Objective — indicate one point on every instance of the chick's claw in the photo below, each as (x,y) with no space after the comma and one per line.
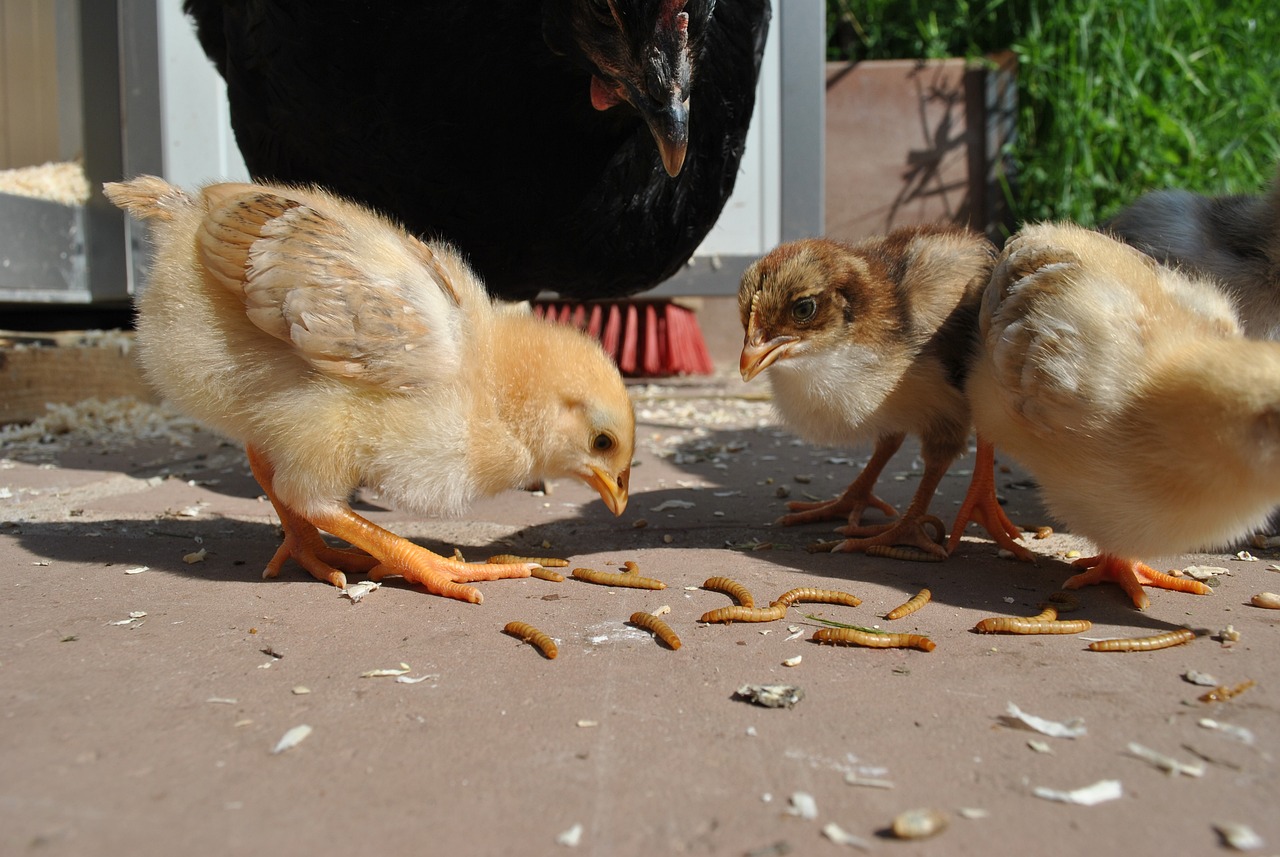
(1130,575)
(911,531)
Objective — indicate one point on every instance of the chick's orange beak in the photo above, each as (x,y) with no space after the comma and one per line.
(612,492)
(759,354)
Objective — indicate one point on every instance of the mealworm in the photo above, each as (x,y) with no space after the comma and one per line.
(659,628)
(1222,694)
(610,578)
(530,634)
(1144,644)
(630,567)
(738,613)
(732,588)
(817,596)
(546,574)
(544,561)
(1024,625)
(917,601)
(854,637)
(902,552)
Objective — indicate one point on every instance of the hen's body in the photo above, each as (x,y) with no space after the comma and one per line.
(1233,239)
(459,120)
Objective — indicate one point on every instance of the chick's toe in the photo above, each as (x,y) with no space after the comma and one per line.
(1130,575)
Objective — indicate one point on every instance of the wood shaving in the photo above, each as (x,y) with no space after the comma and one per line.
(404,669)
(1241,837)
(793,662)
(840,836)
(357,591)
(195,556)
(1073,728)
(571,837)
(1100,792)
(63,182)
(137,570)
(1239,733)
(291,739)
(803,806)
(1165,763)
(1199,678)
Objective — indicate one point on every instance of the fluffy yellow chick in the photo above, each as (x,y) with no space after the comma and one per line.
(1234,239)
(343,352)
(1128,390)
(870,342)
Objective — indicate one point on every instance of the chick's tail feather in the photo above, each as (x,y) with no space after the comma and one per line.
(147,197)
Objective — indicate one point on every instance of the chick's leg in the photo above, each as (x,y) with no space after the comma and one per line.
(856,498)
(1131,576)
(912,529)
(981,505)
(302,541)
(398,556)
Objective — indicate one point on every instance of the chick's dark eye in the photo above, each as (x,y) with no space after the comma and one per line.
(804,309)
(602,443)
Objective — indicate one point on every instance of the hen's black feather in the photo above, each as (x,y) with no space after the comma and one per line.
(474,122)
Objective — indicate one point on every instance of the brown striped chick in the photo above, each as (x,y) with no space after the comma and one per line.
(342,352)
(1233,239)
(868,343)
(1128,390)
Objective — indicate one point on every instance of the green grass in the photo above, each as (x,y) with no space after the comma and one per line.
(1115,98)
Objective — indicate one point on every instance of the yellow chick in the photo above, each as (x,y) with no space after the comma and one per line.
(1234,239)
(343,352)
(1129,391)
(870,342)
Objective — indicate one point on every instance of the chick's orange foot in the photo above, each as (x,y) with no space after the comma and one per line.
(1131,576)
(850,505)
(912,531)
(379,552)
(982,506)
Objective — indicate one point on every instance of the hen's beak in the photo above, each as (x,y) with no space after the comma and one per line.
(670,128)
(758,356)
(613,493)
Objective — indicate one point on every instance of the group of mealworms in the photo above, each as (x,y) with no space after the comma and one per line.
(745,610)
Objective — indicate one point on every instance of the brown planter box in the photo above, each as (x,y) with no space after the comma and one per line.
(916,141)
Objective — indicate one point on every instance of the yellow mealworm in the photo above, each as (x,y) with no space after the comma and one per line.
(1222,694)
(630,567)
(854,637)
(659,628)
(530,634)
(546,574)
(917,601)
(902,552)
(544,561)
(610,578)
(738,613)
(817,596)
(732,588)
(1024,625)
(1144,644)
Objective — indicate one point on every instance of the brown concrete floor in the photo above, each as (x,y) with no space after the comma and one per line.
(155,736)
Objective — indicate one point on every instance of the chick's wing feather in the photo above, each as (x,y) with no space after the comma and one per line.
(357,299)
(1064,335)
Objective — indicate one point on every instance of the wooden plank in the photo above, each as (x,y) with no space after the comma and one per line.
(65,368)
(29,71)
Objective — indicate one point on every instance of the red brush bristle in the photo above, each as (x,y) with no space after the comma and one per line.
(662,340)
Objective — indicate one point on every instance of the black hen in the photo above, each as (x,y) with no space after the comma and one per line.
(522,131)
